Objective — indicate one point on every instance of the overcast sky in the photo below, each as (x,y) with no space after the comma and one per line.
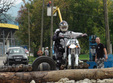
(18,2)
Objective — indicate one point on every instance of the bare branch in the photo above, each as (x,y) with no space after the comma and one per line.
(5,5)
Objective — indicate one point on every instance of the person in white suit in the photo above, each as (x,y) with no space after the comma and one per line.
(60,41)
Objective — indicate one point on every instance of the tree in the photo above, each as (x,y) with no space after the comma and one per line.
(35,23)
(54,76)
(5,5)
(84,16)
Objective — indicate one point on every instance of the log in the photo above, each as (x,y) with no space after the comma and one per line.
(16,68)
(53,76)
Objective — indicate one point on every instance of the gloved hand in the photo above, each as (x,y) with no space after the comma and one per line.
(84,35)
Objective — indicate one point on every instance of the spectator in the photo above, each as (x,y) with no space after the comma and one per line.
(46,51)
(26,51)
(39,53)
(100,51)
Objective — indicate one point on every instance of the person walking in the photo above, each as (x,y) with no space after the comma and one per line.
(46,51)
(100,52)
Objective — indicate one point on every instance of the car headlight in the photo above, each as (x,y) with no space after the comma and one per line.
(25,56)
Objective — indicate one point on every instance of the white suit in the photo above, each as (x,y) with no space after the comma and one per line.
(64,41)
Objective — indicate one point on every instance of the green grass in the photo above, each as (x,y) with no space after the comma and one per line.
(84,57)
(31,59)
(81,57)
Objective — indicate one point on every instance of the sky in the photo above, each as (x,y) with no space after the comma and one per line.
(14,10)
(18,2)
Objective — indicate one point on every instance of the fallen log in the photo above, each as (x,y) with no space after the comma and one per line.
(16,68)
(53,76)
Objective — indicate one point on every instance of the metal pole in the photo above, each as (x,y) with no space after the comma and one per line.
(42,25)
(14,40)
(51,41)
(11,39)
(107,26)
(3,42)
(29,31)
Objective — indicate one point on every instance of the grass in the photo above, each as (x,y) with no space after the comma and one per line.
(84,57)
(81,57)
(31,59)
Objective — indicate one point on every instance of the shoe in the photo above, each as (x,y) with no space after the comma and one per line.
(80,61)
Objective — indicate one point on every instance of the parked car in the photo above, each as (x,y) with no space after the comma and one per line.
(16,55)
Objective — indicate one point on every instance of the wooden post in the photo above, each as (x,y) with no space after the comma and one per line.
(51,41)
(42,25)
(29,30)
(107,26)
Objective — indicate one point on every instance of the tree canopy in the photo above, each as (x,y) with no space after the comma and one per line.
(86,16)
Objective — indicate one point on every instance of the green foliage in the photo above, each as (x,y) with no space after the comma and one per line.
(31,59)
(84,16)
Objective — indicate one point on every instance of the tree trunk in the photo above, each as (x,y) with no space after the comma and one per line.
(16,68)
(53,76)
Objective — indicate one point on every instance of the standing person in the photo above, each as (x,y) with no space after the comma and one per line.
(46,51)
(100,52)
(39,53)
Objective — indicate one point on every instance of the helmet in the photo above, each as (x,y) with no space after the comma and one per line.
(63,26)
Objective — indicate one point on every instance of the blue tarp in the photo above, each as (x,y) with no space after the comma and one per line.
(107,64)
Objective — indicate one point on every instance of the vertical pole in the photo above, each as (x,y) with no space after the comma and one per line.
(42,25)
(3,43)
(14,40)
(106,26)
(29,31)
(51,41)
(11,38)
